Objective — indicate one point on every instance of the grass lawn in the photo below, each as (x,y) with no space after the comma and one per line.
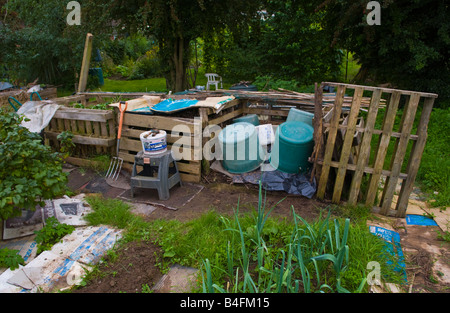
(142,85)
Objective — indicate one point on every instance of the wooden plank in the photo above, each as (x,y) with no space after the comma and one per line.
(225,117)
(136,146)
(85,140)
(414,159)
(185,167)
(83,114)
(399,152)
(329,148)
(318,131)
(84,72)
(269,112)
(366,169)
(364,150)
(159,122)
(387,90)
(388,124)
(347,145)
(374,131)
(135,133)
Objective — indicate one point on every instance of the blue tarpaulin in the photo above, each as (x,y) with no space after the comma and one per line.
(170,105)
(413,219)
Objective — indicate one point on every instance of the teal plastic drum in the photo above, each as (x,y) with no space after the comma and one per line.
(249,118)
(241,150)
(292,147)
(300,116)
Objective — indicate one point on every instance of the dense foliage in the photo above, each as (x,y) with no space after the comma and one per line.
(409,49)
(29,171)
(37,42)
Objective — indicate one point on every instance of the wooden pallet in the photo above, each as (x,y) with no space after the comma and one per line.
(358,167)
(181,139)
(94,130)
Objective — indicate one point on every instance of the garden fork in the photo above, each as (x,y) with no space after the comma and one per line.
(116,163)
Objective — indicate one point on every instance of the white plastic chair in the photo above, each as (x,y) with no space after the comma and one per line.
(213,79)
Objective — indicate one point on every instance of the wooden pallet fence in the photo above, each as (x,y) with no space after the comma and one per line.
(180,139)
(94,130)
(340,167)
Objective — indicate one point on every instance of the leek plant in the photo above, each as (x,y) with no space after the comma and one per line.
(313,259)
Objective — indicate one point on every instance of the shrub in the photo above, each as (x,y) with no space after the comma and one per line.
(29,171)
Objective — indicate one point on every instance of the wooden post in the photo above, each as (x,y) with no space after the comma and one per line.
(84,73)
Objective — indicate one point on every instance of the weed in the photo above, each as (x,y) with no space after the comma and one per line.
(51,233)
(10,259)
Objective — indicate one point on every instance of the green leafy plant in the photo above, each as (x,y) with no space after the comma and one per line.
(10,259)
(66,143)
(29,171)
(51,233)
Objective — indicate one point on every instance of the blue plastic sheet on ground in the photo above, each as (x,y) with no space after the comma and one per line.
(413,219)
(170,105)
(393,247)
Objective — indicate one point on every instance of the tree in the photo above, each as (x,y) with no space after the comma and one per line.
(409,49)
(176,23)
(37,41)
(285,41)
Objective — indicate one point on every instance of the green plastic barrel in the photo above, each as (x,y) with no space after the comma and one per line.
(249,118)
(240,146)
(299,115)
(292,147)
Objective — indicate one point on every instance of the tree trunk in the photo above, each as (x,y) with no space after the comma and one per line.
(176,80)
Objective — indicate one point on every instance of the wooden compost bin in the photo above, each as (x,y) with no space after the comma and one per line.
(96,130)
(349,169)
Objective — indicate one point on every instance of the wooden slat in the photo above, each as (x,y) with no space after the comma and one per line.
(388,124)
(414,159)
(330,142)
(399,151)
(364,149)
(85,140)
(347,145)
